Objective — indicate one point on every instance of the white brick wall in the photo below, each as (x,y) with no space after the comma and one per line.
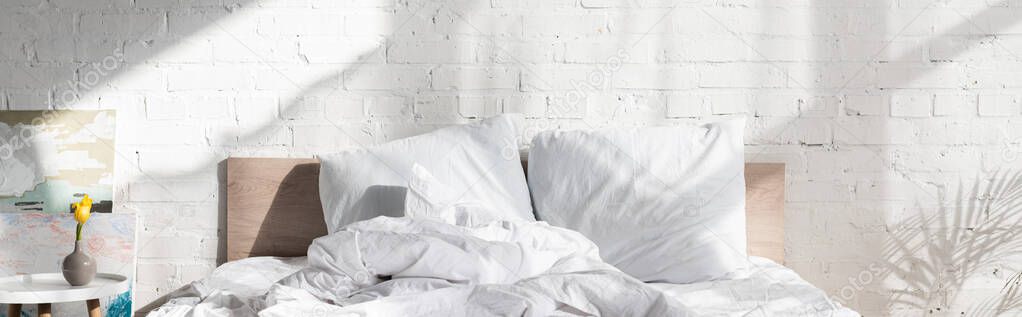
(884,110)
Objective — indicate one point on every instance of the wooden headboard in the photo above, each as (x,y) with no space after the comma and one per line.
(273,207)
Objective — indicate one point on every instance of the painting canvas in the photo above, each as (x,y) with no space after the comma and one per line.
(37,242)
(49,157)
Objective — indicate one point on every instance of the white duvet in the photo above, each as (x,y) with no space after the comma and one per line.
(419,267)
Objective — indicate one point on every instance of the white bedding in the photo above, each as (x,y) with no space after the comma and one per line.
(664,204)
(763,288)
(472,162)
(417,267)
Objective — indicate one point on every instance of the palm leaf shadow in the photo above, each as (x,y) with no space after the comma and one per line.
(934,256)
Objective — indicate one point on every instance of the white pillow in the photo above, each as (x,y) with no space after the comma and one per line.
(428,197)
(664,204)
(476,162)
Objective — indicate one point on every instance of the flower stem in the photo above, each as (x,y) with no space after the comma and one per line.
(78,233)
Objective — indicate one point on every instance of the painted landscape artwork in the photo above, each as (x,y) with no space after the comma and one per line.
(47,157)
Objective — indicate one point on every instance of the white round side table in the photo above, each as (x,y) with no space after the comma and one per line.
(48,288)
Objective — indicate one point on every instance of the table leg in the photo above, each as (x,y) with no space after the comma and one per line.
(44,310)
(13,310)
(93,307)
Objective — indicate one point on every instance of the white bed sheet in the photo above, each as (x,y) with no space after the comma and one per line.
(764,289)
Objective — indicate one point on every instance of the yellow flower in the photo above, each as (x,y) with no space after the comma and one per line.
(83,210)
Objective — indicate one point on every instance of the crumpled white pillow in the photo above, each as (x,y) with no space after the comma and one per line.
(663,204)
(476,162)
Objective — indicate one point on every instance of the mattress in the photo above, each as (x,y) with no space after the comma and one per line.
(765,288)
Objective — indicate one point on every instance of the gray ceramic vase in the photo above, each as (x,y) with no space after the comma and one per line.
(79,268)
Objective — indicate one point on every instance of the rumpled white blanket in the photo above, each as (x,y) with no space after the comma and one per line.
(422,267)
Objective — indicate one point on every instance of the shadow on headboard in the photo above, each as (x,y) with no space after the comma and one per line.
(282,211)
(273,207)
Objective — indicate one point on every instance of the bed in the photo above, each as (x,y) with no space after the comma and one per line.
(274,213)
(273,207)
